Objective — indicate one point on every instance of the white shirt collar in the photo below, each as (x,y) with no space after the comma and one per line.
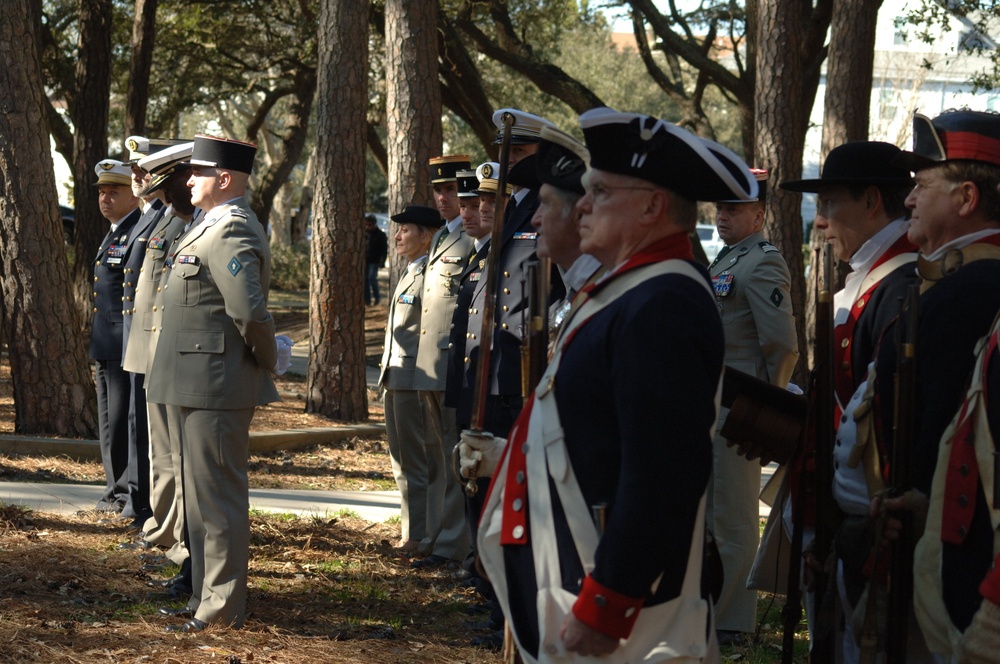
(454,224)
(480,242)
(961,243)
(861,264)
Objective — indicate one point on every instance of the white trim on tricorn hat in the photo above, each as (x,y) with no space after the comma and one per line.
(662,153)
(761,175)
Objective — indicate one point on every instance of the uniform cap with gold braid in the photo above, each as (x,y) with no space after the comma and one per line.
(114,172)
(562,160)
(224,153)
(443,169)
(526,128)
(954,135)
(467,183)
(759,174)
(140,146)
(161,165)
(662,153)
(487,174)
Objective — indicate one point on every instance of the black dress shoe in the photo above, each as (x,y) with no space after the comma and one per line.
(191,626)
(168,583)
(184,612)
(430,561)
(156,567)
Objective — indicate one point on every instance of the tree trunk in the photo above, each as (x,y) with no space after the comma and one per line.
(293,139)
(846,110)
(90,122)
(53,389)
(412,106)
(143,33)
(781,115)
(336,385)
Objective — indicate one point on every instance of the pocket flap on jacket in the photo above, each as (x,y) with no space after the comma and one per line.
(201,341)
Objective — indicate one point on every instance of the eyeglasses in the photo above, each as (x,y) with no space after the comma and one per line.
(601,192)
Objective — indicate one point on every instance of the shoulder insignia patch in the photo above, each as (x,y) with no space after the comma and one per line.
(767,247)
(776,297)
(238,212)
(234,266)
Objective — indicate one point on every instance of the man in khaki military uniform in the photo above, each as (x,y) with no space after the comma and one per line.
(212,368)
(450,247)
(751,284)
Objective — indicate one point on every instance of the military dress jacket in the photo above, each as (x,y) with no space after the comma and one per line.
(751,284)
(109,276)
(398,369)
(216,349)
(146,305)
(133,262)
(447,259)
(458,392)
(516,250)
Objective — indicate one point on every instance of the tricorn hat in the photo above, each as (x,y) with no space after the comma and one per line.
(953,135)
(526,127)
(444,169)
(420,215)
(113,172)
(759,174)
(224,153)
(860,163)
(662,153)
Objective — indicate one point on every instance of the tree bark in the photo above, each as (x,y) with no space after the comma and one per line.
(781,113)
(90,121)
(412,106)
(53,389)
(143,33)
(336,385)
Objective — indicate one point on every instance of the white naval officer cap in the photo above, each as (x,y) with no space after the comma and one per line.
(487,173)
(162,164)
(141,146)
(113,172)
(526,127)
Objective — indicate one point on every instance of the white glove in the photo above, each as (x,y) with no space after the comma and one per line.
(479,453)
(284,345)
(794,389)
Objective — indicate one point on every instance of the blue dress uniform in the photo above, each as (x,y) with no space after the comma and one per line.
(138,425)
(458,392)
(113,388)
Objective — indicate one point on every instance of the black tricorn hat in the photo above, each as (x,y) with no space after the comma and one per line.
(662,153)
(224,153)
(421,215)
(561,160)
(861,163)
(524,174)
(954,135)
(759,174)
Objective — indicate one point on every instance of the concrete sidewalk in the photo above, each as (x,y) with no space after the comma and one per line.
(67,499)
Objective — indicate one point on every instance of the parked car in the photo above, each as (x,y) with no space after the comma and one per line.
(710,240)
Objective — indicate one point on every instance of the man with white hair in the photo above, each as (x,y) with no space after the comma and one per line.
(620,425)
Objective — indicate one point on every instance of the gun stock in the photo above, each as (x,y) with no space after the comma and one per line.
(901,551)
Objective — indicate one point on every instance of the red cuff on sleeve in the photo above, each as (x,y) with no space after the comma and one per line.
(605,610)
(990,587)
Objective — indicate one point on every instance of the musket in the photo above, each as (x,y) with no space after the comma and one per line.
(901,551)
(535,344)
(481,389)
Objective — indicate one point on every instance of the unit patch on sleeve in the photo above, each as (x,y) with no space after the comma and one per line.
(234,266)
(776,297)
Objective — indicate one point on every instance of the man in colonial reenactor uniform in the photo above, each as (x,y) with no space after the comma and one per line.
(955,221)
(752,285)
(565,537)
(120,207)
(445,539)
(860,210)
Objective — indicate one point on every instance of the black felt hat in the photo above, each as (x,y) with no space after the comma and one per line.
(524,174)
(662,153)
(224,153)
(420,215)
(954,135)
(561,160)
(858,163)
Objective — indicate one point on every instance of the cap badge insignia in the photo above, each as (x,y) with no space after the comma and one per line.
(107,165)
(132,144)
(487,171)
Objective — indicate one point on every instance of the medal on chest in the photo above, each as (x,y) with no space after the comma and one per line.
(723,284)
